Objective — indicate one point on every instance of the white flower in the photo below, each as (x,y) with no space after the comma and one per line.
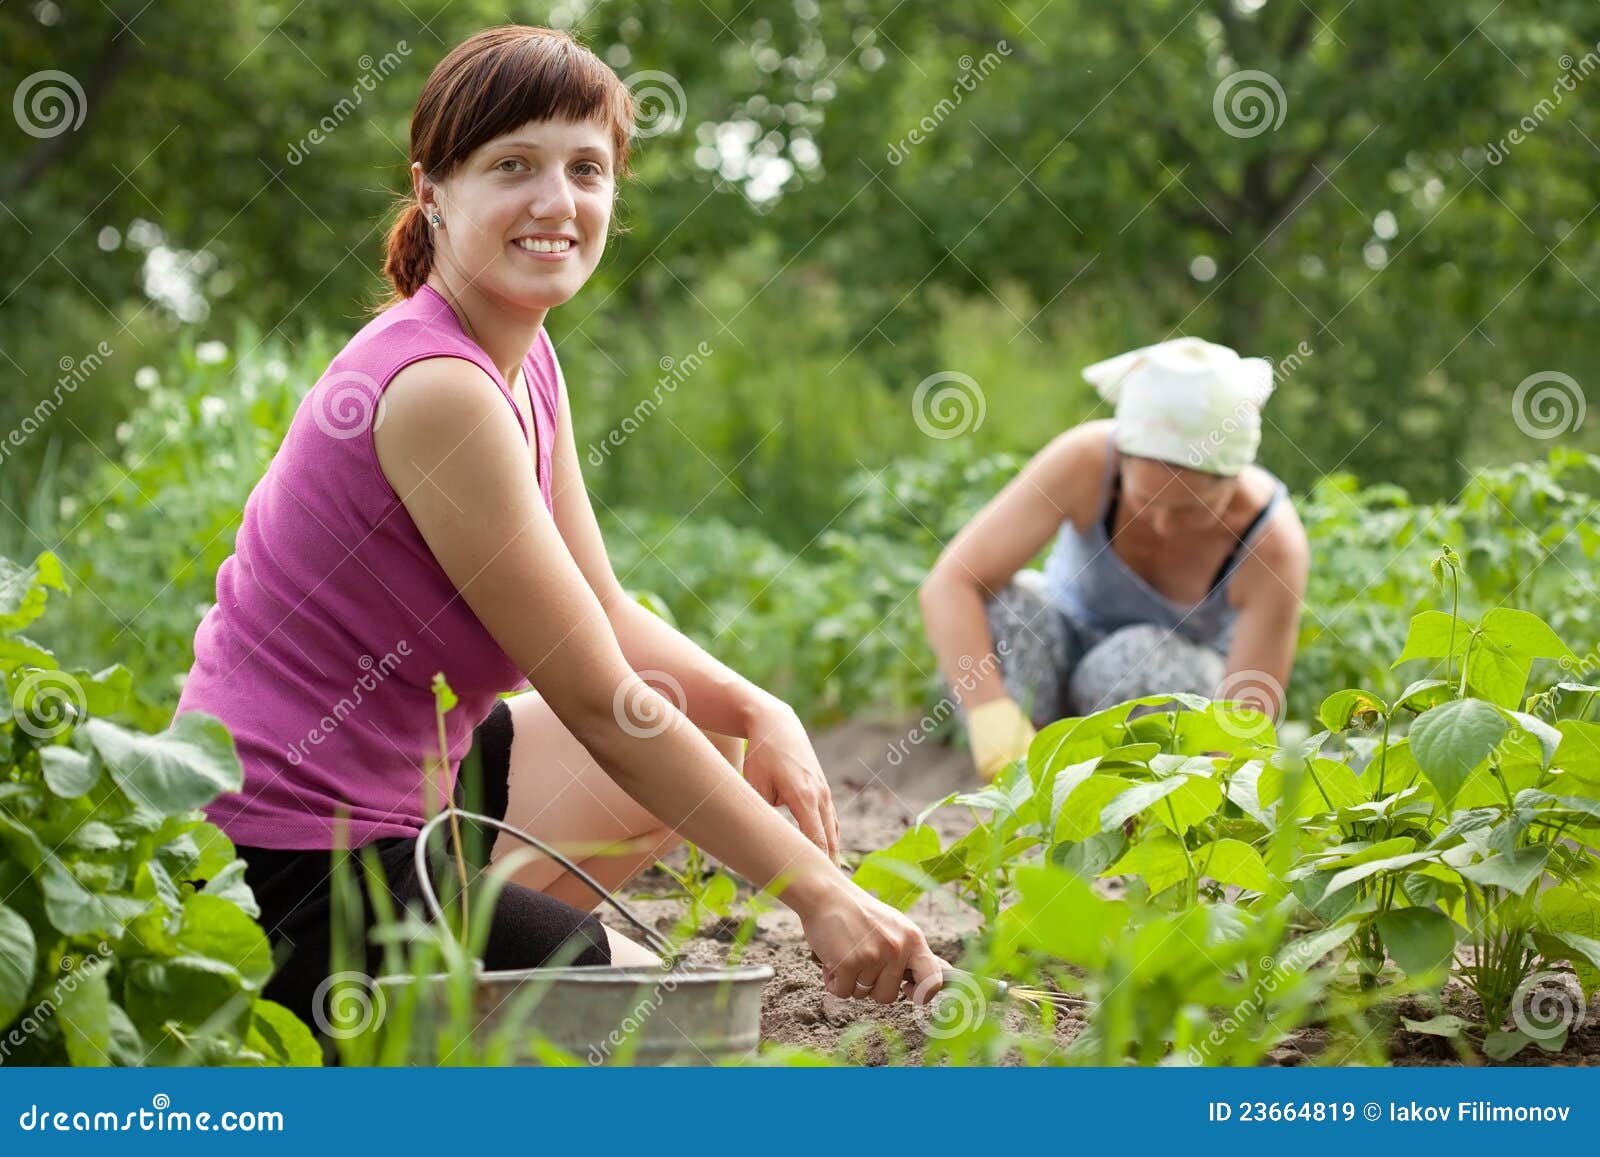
(209,353)
(146,378)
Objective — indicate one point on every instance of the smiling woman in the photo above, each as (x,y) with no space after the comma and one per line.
(429,493)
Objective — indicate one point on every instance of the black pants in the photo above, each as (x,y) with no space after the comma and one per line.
(294,890)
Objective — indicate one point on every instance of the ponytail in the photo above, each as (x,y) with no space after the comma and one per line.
(408,253)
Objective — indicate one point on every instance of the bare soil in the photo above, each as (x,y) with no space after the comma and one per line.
(883,773)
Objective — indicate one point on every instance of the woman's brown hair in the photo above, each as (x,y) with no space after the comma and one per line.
(488,85)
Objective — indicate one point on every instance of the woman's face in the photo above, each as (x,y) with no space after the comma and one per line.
(1171,500)
(547,187)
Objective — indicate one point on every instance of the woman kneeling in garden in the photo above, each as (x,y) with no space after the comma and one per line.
(1178,565)
(426,513)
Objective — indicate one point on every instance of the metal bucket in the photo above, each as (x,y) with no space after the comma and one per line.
(681,1014)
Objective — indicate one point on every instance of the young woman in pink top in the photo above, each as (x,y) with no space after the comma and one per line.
(413,514)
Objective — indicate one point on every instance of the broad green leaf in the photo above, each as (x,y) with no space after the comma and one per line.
(186,766)
(1079,815)
(1421,941)
(1343,708)
(1059,913)
(67,772)
(229,885)
(23,591)
(282,1036)
(1497,675)
(1546,737)
(1425,693)
(1515,871)
(1523,634)
(1091,857)
(18,951)
(891,873)
(1177,803)
(1445,1024)
(1157,860)
(1382,850)
(186,989)
(1450,740)
(1234,862)
(1502,1046)
(1579,751)
(1353,875)
(1429,637)
(85,1015)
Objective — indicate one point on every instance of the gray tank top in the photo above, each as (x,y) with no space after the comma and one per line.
(1100,593)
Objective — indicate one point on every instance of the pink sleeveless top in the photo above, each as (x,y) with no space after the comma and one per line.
(332,614)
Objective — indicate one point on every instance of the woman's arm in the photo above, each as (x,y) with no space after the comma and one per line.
(780,763)
(1011,529)
(456,457)
(1269,588)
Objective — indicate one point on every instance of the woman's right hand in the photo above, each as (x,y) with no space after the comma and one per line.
(867,948)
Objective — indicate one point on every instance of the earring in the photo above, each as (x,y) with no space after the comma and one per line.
(436,220)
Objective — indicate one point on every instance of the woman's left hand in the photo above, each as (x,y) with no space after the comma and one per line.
(780,763)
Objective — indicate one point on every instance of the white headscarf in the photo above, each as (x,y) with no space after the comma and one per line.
(1186,402)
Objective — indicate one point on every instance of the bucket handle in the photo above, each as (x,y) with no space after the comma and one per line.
(419,856)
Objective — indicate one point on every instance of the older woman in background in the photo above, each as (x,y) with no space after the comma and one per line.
(1178,565)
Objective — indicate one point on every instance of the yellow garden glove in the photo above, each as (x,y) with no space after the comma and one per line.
(999,733)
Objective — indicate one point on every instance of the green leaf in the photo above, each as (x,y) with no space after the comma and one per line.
(1059,913)
(67,772)
(1497,675)
(1578,754)
(1348,876)
(1079,815)
(1420,941)
(281,1036)
(23,591)
(85,1015)
(1234,862)
(1342,708)
(18,952)
(1452,739)
(1446,1025)
(229,884)
(1515,871)
(1425,693)
(1429,637)
(1091,857)
(186,766)
(1502,1046)
(1178,803)
(1523,634)
(891,873)
(1158,861)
